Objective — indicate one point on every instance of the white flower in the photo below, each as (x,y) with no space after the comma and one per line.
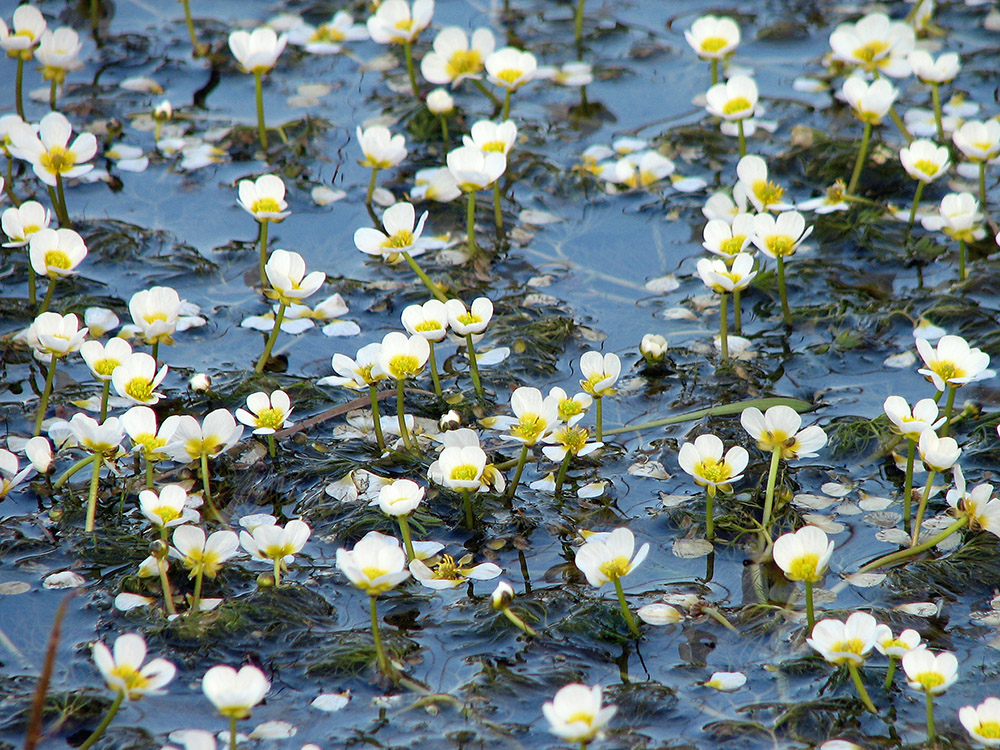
(286,273)
(28,27)
(924,160)
(168,508)
(492,136)
(727,237)
(844,643)
(600,372)
(54,334)
(454,59)
(703,460)
(473,169)
(911,425)
(780,236)
(376,564)
(201,555)
(401,357)
(139,424)
(381,148)
(726,682)
(461,467)
(10,477)
(20,223)
(123,670)
(567,74)
(59,52)
(639,170)
(264,198)
(958,217)
(449,573)
(328,38)
(570,409)
(929,70)
(886,644)
(191,440)
(659,614)
(267,413)
(982,722)
(576,715)
(939,453)
(399,498)
(51,153)
(869,102)
(953,363)
(102,359)
(982,509)
(39,452)
(929,673)
(713,37)
(473,320)
(429,320)
(721,206)
(358,373)
(400,233)
(136,379)
(778,429)
(103,437)
(533,416)
(608,558)
(511,68)
(439,101)
(257,52)
(722,278)
(978,141)
(435,184)
(395,22)
(269,541)
(568,439)
(733,100)
(235,693)
(804,555)
(755,186)
(653,347)
(875,44)
(156,311)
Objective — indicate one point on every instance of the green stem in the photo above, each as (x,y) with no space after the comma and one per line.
(715,70)
(9,189)
(62,210)
(32,293)
(277,571)
(380,659)
(922,507)
(486,92)
(810,612)
(444,133)
(936,98)
(404,530)
(723,327)
(149,473)
(470,224)
(786,313)
(506,104)
(578,29)
(258,85)
(982,185)
(232,732)
(155,352)
(408,51)
(431,286)
(743,139)
(263,253)
(497,213)
(207,488)
(737,317)
(371,186)
(911,551)
(916,201)
(599,418)
(278,319)
(900,125)
(196,597)
(710,513)
(65,476)
(52,94)
(961,260)
(860,687)
(376,417)
(931,736)
(46,392)
(105,723)
(949,406)
(908,485)
(105,393)
(521,460)
(401,414)
(890,674)
(474,366)
(95,478)
(48,296)
(19,88)
(772,476)
(168,597)
(860,162)
(633,628)
(196,48)
(735,407)
(270,445)
(561,476)
(518,621)
(432,361)
(470,517)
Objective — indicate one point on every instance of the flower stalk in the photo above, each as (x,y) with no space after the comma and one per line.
(376,417)
(629,618)
(263,253)
(278,319)
(474,367)
(772,477)
(95,478)
(860,162)
(105,722)
(258,84)
(46,393)
(911,551)
(922,507)
(860,687)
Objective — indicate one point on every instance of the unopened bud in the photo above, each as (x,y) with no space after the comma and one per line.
(159,549)
(503,595)
(440,102)
(200,383)
(450,421)
(163,111)
(653,347)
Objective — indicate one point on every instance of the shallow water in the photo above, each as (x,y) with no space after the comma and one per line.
(856,304)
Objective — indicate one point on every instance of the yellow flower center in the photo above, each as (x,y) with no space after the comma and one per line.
(447,569)
(926,166)
(272,418)
(265,205)
(585,717)
(427,325)
(155,317)
(780,244)
(207,560)
(767,192)
(498,146)
(569,408)
(402,238)
(737,104)
(929,680)
(573,438)
(713,44)
(278,550)
(327,33)
(464,62)
(871,51)
(30,230)
(104,367)
(509,75)
(404,24)
(403,365)
(465,473)
(713,470)
(209,446)
(851,646)
(835,193)
(467,319)
(139,388)
(615,569)
(57,259)
(166,513)
(947,370)
(804,568)
(528,428)
(131,677)
(149,442)
(989,729)
(733,245)
(58,160)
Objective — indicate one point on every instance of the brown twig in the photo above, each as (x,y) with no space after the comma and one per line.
(38,701)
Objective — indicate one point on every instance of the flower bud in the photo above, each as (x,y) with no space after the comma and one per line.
(450,421)
(653,347)
(440,102)
(159,549)
(200,383)
(503,595)
(163,111)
